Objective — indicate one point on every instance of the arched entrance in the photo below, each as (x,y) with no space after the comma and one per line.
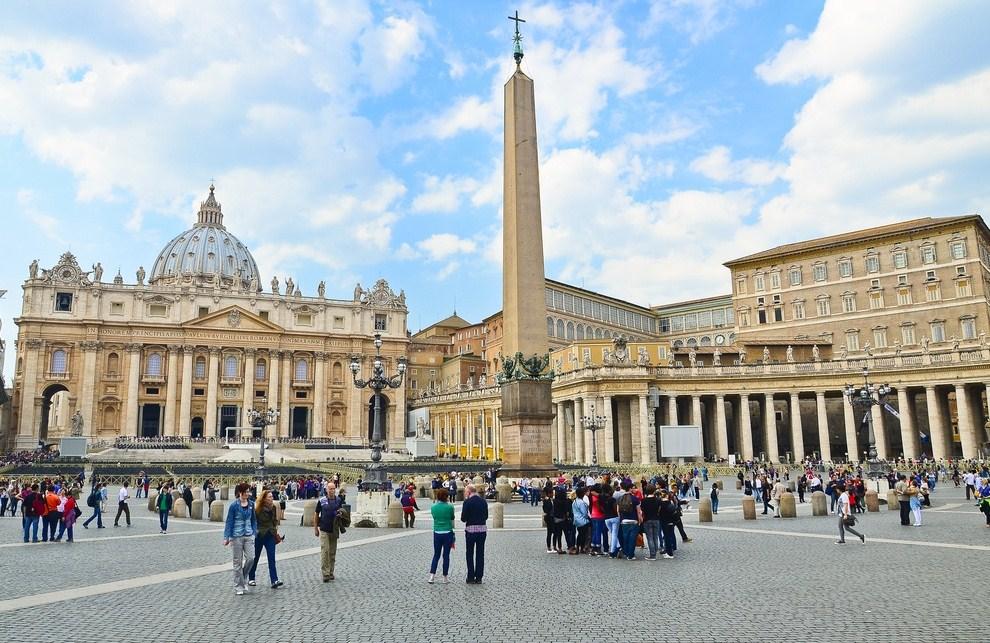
(371,416)
(196,427)
(46,409)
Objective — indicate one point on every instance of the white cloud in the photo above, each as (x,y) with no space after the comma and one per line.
(444,245)
(443,195)
(699,19)
(717,164)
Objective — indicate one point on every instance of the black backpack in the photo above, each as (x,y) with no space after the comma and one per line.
(94,498)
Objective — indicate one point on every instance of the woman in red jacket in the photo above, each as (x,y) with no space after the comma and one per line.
(68,508)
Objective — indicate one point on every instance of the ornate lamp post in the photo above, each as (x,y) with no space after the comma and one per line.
(593,423)
(868,396)
(375,474)
(262,420)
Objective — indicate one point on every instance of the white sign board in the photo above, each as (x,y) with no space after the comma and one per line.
(680,442)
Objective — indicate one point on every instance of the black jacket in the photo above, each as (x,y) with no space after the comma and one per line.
(474,511)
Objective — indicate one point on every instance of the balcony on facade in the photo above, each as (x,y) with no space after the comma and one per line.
(152,379)
(57,377)
(230,379)
(302,384)
(112,377)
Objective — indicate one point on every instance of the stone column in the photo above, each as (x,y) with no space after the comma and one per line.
(579,453)
(484,434)
(561,432)
(496,432)
(273,379)
(823,440)
(938,432)
(212,384)
(964,418)
(625,432)
(130,427)
(849,418)
(721,430)
(770,426)
(185,398)
(797,430)
(672,411)
(879,431)
(286,384)
(27,433)
(647,454)
(909,433)
(320,398)
(745,427)
(248,401)
(606,448)
(89,378)
(171,388)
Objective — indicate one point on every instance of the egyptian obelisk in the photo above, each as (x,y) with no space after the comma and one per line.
(527,409)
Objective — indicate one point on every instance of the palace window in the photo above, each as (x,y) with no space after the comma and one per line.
(690,321)
(928,254)
(849,303)
(63,302)
(261,370)
(933,292)
(60,361)
(157,310)
(304,319)
(548,297)
(797,309)
(823,306)
(230,366)
(561,333)
(938,330)
(113,364)
(718,318)
(963,289)
(846,268)
(744,318)
(968,327)
(705,319)
(302,370)
(958,249)
(759,283)
(154,365)
(741,286)
(907,334)
(852,340)
(199,369)
(570,332)
(873,263)
(381,321)
(820,272)
(549,326)
(880,337)
(876,300)
(775,280)
(900,259)
(795,275)
(904,296)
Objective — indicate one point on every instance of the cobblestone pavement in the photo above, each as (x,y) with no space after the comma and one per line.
(779,579)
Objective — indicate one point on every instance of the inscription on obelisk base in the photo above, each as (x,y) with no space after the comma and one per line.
(527,419)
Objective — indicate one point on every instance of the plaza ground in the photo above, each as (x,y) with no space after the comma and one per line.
(780,579)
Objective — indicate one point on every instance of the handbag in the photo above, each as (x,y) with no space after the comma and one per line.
(849,521)
(278,537)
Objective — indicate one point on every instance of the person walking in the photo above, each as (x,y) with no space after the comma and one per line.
(915,500)
(983,494)
(164,504)
(187,497)
(474,515)
(69,515)
(122,507)
(776,494)
(267,515)
(332,520)
(903,499)
(548,522)
(846,519)
(95,500)
(443,534)
(409,508)
(239,530)
(714,494)
(34,509)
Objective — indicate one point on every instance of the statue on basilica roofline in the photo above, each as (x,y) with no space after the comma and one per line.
(33,269)
(289,286)
(97,272)
(274,285)
(140,275)
(321,290)
(253,284)
(358,292)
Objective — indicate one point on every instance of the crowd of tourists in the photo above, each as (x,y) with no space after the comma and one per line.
(34,456)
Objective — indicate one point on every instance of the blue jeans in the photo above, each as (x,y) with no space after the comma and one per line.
(31,524)
(597,530)
(49,523)
(474,546)
(629,533)
(98,514)
(62,529)
(534,497)
(669,539)
(268,542)
(653,536)
(163,519)
(441,545)
(715,505)
(612,524)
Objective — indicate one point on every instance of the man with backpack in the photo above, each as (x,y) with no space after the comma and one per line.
(34,508)
(94,500)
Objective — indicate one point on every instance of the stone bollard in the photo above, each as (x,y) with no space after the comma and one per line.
(224,492)
(498,515)
(152,499)
(197,493)
(872,501)
(216,512)
(739,484)
(393,516)
(503,491)
(460,493)
(787,507)
(892,503)
(196,511)
(179,509)
(705,510)
(819,504)
(176,495)
(309,514)
(749,508)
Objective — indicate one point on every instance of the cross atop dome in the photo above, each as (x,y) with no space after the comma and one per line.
(209,211)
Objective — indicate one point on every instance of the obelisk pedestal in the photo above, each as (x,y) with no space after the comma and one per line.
(526,421)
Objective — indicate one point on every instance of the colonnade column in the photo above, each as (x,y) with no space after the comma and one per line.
(964,417)
(285,415)
(824,447)
(745,427)
(849,419)
(770,426)
(130,427)
(879,430)
(797,430)
(185,398)
(496,433)
(273,380)
(721,430)
(561,432)
(647,450)
(672,410)
(484,434)
(578,430)
(320,397)
(909,434)
(937,431)
(210,428)
(89,378)
(171,389)
(608,441)
(248,402)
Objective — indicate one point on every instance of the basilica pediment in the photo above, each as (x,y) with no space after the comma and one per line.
(233,318)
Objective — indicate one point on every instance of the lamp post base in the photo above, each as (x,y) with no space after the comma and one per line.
(375,477)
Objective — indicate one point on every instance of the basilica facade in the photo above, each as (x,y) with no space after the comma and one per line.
(190,347)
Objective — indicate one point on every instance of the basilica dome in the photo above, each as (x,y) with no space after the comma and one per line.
(207,254)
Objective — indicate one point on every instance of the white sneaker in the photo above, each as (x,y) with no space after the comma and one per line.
(239,592)
(252,583)
(430,579)
(667,556)
(550,551)
(446,580)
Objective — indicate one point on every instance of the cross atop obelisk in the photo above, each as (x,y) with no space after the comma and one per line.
(517,51)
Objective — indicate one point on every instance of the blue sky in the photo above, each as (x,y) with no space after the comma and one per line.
(351,140)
